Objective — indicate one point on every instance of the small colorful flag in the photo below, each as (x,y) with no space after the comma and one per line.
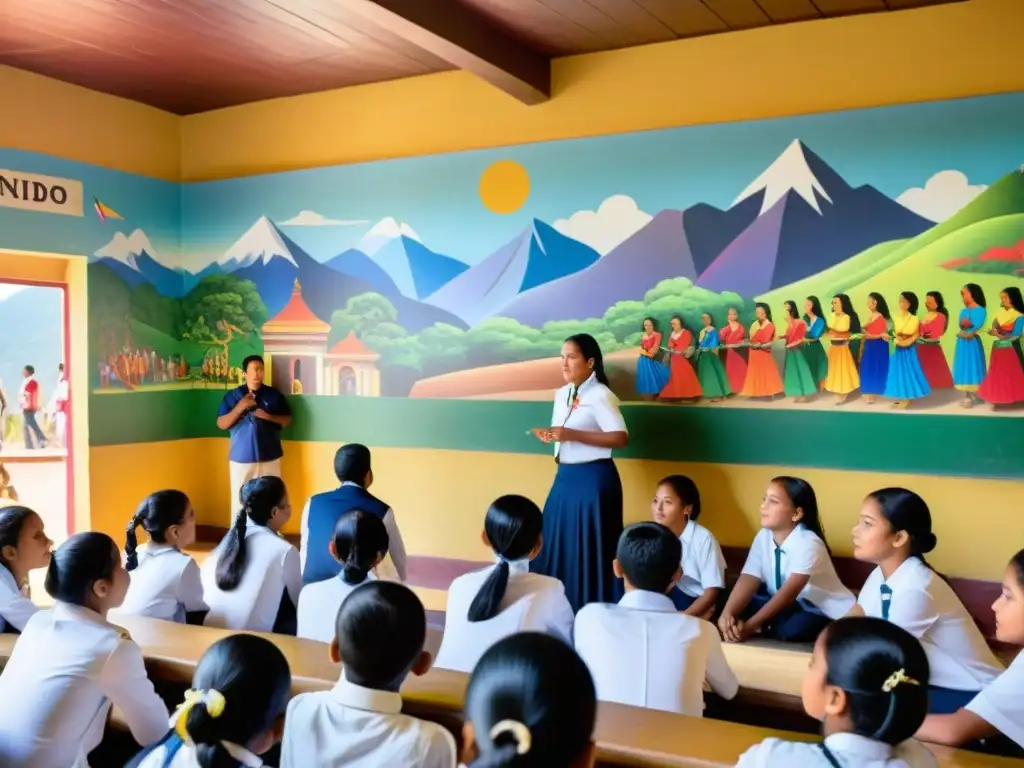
(104,211)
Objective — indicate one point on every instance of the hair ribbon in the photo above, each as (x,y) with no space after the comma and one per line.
(895,679)
(520,734)
(212,699)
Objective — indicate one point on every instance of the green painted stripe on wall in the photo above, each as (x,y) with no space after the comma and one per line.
(971,446)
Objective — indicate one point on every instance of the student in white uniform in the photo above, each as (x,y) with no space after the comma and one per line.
(997,713)
(868,685)
(24,547)
(234,711)
(165,580)
(642,651)
(895,533)
(676,505)
(359,545)
(530,703)
(252,579)
(381,630)
(789,589)
(70,665)
(504,598)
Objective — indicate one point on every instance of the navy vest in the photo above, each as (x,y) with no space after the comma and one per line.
(324,511)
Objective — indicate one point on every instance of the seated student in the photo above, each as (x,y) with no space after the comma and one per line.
(70,665)
(676,505)
(999,708)
(24,547)
(352,467)
(895,533)
(504,598)
(252,579)
(233,712)
(868,685)
(381,629)
(530,703)
(788,589)
(642,651)
(360,544)
(165,581)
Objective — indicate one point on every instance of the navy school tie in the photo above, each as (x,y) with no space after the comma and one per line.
(886,591)
(778,568)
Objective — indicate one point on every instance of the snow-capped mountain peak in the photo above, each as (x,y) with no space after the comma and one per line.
(262,242)
(790,171)
(127,248)
(383,232)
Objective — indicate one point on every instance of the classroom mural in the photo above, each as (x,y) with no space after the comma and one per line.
(868,259)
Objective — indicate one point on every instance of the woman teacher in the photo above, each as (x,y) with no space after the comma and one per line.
(584,507)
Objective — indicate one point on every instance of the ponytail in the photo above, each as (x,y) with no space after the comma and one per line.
(131,544)
(259,498)
(801,496)
(488,599)
(513,526)
(360,542)
(157,512)
(78,564)
(906,511)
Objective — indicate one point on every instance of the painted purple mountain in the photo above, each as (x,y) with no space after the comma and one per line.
(537,256)
(810,220)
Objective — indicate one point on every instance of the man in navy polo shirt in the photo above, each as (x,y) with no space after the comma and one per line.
(254,414)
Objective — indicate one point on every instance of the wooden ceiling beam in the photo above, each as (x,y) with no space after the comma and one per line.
(456,34)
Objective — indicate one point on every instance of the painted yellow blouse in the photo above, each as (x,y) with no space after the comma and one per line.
(839,324)
(1006,316)
(907,326)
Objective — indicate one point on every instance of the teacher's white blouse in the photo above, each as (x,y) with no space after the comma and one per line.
(596,411)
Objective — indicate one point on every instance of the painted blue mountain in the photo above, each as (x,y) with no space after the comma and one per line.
(415,269)
(355,263)
(133,259)
(537,256)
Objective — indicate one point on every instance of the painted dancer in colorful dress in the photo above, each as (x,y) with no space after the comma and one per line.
(710,372)
(906,377)
(816,357)
(843,377)
(1004,383)
(651,375)
(929,343)
(798,380)
(733,338)
(762,374)
(682,379)
(874,350)
(969,354)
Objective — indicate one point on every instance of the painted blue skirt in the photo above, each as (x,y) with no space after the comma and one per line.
(968,363)
(906,376)
(874,367)
(582,525)
(651,376)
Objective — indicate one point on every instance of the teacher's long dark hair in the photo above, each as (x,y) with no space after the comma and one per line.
(513,526)
(590,350)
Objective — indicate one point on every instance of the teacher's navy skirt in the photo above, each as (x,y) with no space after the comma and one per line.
(582,525)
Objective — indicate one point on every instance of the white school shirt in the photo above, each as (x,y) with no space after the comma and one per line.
(272,567)
(67,669)
(703,563)
(360,728)
(532,603)
(186,757)
(598,411)
(645,653)
(1001,704)
(393,568)
(851,750)
(165,585)
(319,604)
(802,553)
(15,608)
(926,606)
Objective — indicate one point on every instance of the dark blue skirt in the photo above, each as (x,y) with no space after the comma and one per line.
(582,525)
(874,367)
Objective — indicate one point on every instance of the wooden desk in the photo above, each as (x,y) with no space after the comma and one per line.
(765,665)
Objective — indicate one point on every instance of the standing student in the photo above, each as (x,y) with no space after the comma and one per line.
(895,533)
(360,544)
(252,579)
(530,703)
(58,406)
(788,589)
(254,414)
(24,547)
(30,399)
(867,685)
(584,505)
(380,632)
(504,598)
(70,665)
(642,651)
(165,580)
(999,708)
(233,712)
(321,513)
(676,505)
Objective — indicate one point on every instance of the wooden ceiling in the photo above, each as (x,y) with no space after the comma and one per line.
(188,56)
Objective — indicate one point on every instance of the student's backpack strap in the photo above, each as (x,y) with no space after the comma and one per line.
(832,759)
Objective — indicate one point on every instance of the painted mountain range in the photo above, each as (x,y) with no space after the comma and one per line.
(135,261)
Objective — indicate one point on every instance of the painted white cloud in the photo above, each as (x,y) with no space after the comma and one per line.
(314,219)
(943,194)
(615,219)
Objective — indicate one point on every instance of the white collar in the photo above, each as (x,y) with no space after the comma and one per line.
(254,529)
(859,746)
(642,600)
(367,699)
(687,535)
(351,482)
(515,566)
(153,549)
(70,612)
(7,578)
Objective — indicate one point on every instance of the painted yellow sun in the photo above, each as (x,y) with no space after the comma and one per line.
(504,186)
